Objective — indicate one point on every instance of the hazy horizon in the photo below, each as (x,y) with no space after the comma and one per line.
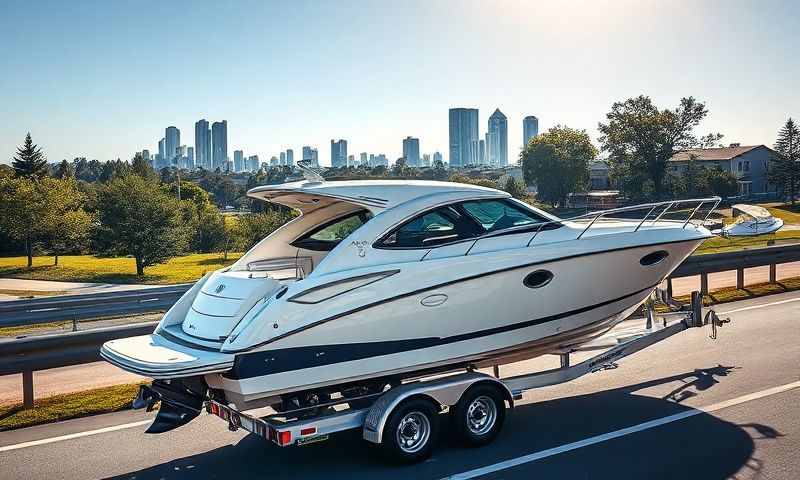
(103,79)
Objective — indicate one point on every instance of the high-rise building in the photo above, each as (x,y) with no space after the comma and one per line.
(252,163)
(463,136)
(290,157)
(498,134)
(338,153)
(530,128)
(351,160)
(481,151)
(379,160)
(162,154)
(172,137)
(219,136)
(364,159)
(146,155)
(437,158)
(273,162)
(181,157)
(311,156)
(411,151)
(426,160)
(190,158)
(238,161)
(283,158)
(202,144)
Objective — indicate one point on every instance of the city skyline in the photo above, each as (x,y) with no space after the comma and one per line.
(282,103)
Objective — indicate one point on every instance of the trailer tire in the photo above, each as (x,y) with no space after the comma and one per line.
(411,431)
(479,415)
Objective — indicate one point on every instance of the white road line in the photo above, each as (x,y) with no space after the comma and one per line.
(753,307)
(621,432)
(45,441)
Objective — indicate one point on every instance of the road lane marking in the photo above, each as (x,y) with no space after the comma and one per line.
(45,441)
(753,307)
(621,432)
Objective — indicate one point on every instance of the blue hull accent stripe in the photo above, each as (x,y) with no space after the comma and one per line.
(280,360)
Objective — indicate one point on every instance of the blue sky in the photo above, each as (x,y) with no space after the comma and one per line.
(103,79)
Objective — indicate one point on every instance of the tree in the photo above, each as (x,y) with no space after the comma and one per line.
(254,227)
(785,164)
(142,167)
(640,139)
(720,182)
(65,170)
(29,160)
(557,162)
(137,218)
(515,188)
(44,212)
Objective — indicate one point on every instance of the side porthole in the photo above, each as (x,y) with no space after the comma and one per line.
(538,279)
(654,258)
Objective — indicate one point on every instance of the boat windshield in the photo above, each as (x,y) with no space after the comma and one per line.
(494,215)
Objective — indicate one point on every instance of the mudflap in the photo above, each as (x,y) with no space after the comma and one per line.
(181,401)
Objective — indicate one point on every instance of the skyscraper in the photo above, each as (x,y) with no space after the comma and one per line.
(426,160)
(481,152)
(290,157)
(273,161)
(252,163)
(238,161)
(311,156)
(463,135)
(339,153)
(437,157)
(364,159)
(219,134)
(411,151)
(530,128)
(498,133)
(190,158)
(146,155)
(202,144)
(283,158)
(162,154)
(172,137)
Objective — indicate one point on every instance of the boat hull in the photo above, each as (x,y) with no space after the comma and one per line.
(489,317)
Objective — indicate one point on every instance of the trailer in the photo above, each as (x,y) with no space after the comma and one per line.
(405,419)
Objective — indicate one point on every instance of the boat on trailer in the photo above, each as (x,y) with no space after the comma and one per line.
(751,220)
(376,282)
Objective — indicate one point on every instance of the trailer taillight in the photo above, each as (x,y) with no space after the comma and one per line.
(214,408)
(284,438)
(308,431)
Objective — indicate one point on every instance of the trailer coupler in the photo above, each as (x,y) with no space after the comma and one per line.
(179,404)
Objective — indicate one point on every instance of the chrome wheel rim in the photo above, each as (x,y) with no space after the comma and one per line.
(481,415)
(413,432)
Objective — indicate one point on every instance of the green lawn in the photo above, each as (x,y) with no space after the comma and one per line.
(788,213)
(70,405)
(90,268)
(730,244)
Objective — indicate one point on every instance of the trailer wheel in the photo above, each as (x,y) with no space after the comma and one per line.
(479,415)
(411,431)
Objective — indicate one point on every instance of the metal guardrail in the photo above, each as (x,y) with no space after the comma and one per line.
(29,354)
(80,307)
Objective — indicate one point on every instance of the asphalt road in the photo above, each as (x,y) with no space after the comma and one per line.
(690,407)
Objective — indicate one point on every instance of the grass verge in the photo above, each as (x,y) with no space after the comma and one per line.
(731,244)
(91,268)
(31,293)
(66,406)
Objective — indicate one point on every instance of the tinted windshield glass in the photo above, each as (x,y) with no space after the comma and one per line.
(500,214)
(340,229)
(440,226)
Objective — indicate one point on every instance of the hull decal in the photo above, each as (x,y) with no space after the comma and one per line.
(269,362)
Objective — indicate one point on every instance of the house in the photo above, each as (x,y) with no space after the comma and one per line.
(599,175)
(749,164)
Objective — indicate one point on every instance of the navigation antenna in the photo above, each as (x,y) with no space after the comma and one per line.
(309,172)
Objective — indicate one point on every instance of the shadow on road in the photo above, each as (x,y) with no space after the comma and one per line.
(702,446)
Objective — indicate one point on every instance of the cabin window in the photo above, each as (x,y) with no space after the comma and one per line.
(325,237)
(495,215)
(437,227)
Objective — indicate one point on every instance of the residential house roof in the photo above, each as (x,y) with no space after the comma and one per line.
(714,154)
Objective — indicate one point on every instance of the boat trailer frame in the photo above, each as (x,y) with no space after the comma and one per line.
(314,424)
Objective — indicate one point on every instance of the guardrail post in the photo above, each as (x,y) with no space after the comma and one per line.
(704,283)
(27,389)
(773,273)
(739,278)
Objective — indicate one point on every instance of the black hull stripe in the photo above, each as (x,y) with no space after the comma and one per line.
(297,358)
(445,284)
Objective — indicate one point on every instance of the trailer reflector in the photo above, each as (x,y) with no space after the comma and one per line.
(308,431)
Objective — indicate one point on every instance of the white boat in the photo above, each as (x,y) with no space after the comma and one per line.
(751,220)
(376,281)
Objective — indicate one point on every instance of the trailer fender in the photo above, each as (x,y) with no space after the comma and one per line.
(445,392)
